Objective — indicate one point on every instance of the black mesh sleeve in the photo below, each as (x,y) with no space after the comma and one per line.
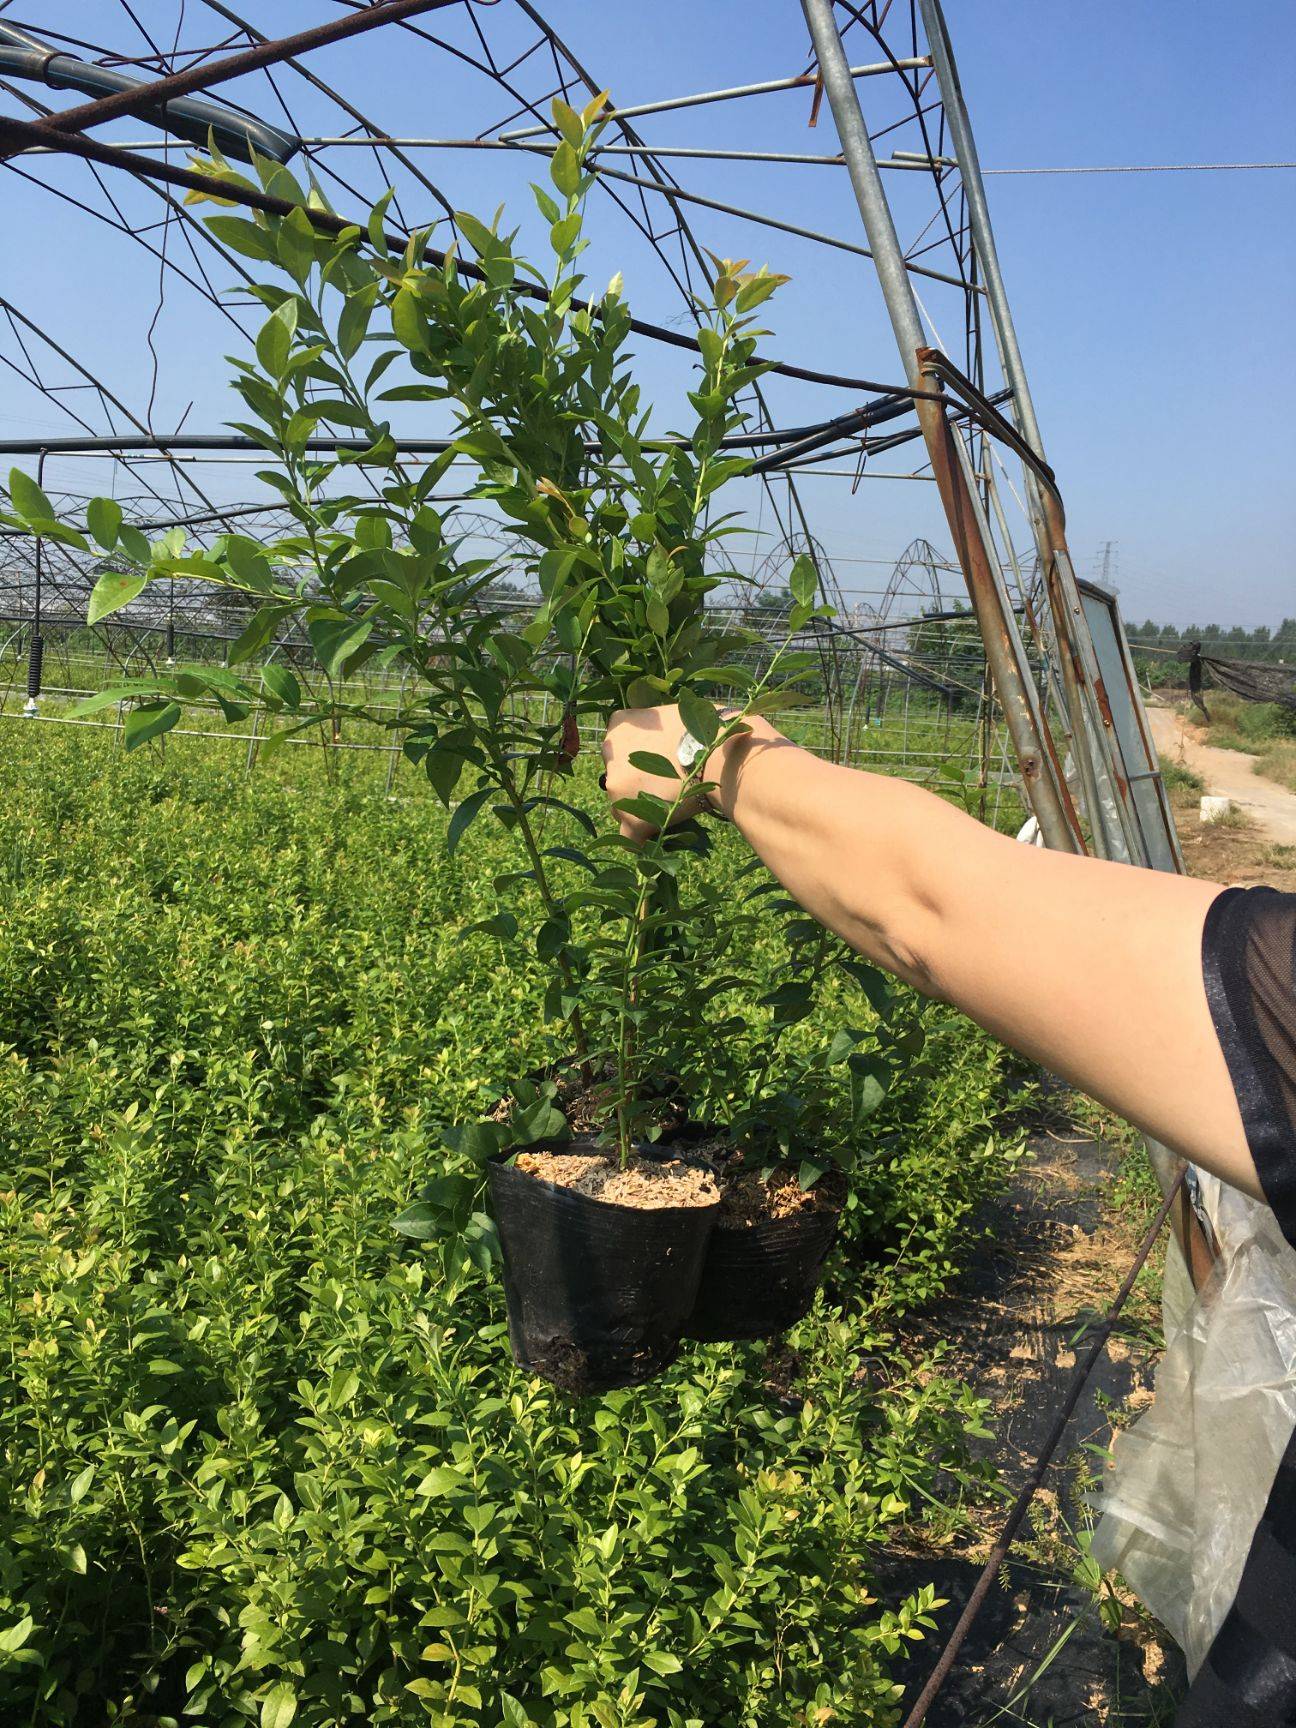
(1248,1679)
(1249,965)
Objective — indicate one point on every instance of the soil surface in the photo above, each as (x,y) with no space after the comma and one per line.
(1054,1258)
(746,1199)
(645,1183)
(1271,808)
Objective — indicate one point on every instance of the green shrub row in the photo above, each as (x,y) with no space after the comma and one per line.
(263,1461)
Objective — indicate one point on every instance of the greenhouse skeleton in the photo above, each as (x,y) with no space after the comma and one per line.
(1065,686)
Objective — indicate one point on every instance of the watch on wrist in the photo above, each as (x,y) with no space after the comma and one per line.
(686,754)
(690,748)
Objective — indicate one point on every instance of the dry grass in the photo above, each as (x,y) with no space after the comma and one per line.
(1232,851)
(1261,729)
(1277,761)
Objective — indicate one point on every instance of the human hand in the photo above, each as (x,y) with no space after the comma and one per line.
(659,732)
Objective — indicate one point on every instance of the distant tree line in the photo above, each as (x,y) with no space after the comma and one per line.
(1161,649)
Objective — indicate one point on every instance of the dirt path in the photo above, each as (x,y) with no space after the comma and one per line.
(1056,1250)
(1272,808)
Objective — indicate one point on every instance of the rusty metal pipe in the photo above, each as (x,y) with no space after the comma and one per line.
(21,133)
(1047,796)
(144,97)
(1078,662)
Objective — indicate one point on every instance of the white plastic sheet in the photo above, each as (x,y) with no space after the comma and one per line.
(1191,1476)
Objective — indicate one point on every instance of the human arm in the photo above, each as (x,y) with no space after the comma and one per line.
(1092,969)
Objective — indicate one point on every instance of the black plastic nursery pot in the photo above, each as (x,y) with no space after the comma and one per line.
(597,1293)
(760,1278)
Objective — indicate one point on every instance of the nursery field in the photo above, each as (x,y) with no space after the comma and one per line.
(264,1460)
(899,731)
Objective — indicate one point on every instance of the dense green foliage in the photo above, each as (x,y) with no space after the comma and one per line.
(621,533)
(1265,730)
(1160,650)
(261,1459)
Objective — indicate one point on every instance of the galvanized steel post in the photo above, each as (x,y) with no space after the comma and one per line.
(1045,788)
(1093,732)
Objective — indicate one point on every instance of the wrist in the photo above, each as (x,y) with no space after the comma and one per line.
(728,763)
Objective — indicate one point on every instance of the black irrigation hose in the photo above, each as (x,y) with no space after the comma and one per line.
(999,1553)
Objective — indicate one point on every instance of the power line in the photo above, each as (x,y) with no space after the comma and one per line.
(1150,168)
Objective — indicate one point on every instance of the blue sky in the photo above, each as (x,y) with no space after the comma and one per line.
(1155,311)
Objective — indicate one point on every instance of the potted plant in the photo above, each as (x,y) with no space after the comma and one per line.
(605,1205)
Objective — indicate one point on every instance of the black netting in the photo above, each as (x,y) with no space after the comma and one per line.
(1245,678)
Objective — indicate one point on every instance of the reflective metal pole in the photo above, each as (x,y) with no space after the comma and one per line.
(1036,758)
(1093,732)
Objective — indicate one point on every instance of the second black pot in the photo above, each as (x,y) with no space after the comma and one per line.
(760,1279)
(597,1293)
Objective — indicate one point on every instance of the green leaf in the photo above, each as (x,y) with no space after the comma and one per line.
(443,769)
(281,684)
(873,983)
(408,325)
(250,565)
(804,581)
(647,693)
(662,1662)
(295,244)
(476,232)
(343,1387)
(255,634)
(274,341)
(539,1121)
(565,170)
(564,234)
(646,806)
(112,591)
(711,346)
(440,1481)
(148,721)
(647,762)
(503,926)
(757,289)
(279,1706)
(335,640)
(134,544)
(245,238)
(104,519)
(377,217)
(421,1222)
(14,1637)
(81,1486)
(545,204)
(700,717)
(464,812)
(114,694)
(28,499)
(568,122)
(354,321)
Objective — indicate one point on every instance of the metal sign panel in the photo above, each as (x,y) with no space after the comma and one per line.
(1139,758)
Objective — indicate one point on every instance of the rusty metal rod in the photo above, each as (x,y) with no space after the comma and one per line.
(1094,733)
(1095,742)
(23,132)
(144,97)
(1044,784)
(999,1553)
